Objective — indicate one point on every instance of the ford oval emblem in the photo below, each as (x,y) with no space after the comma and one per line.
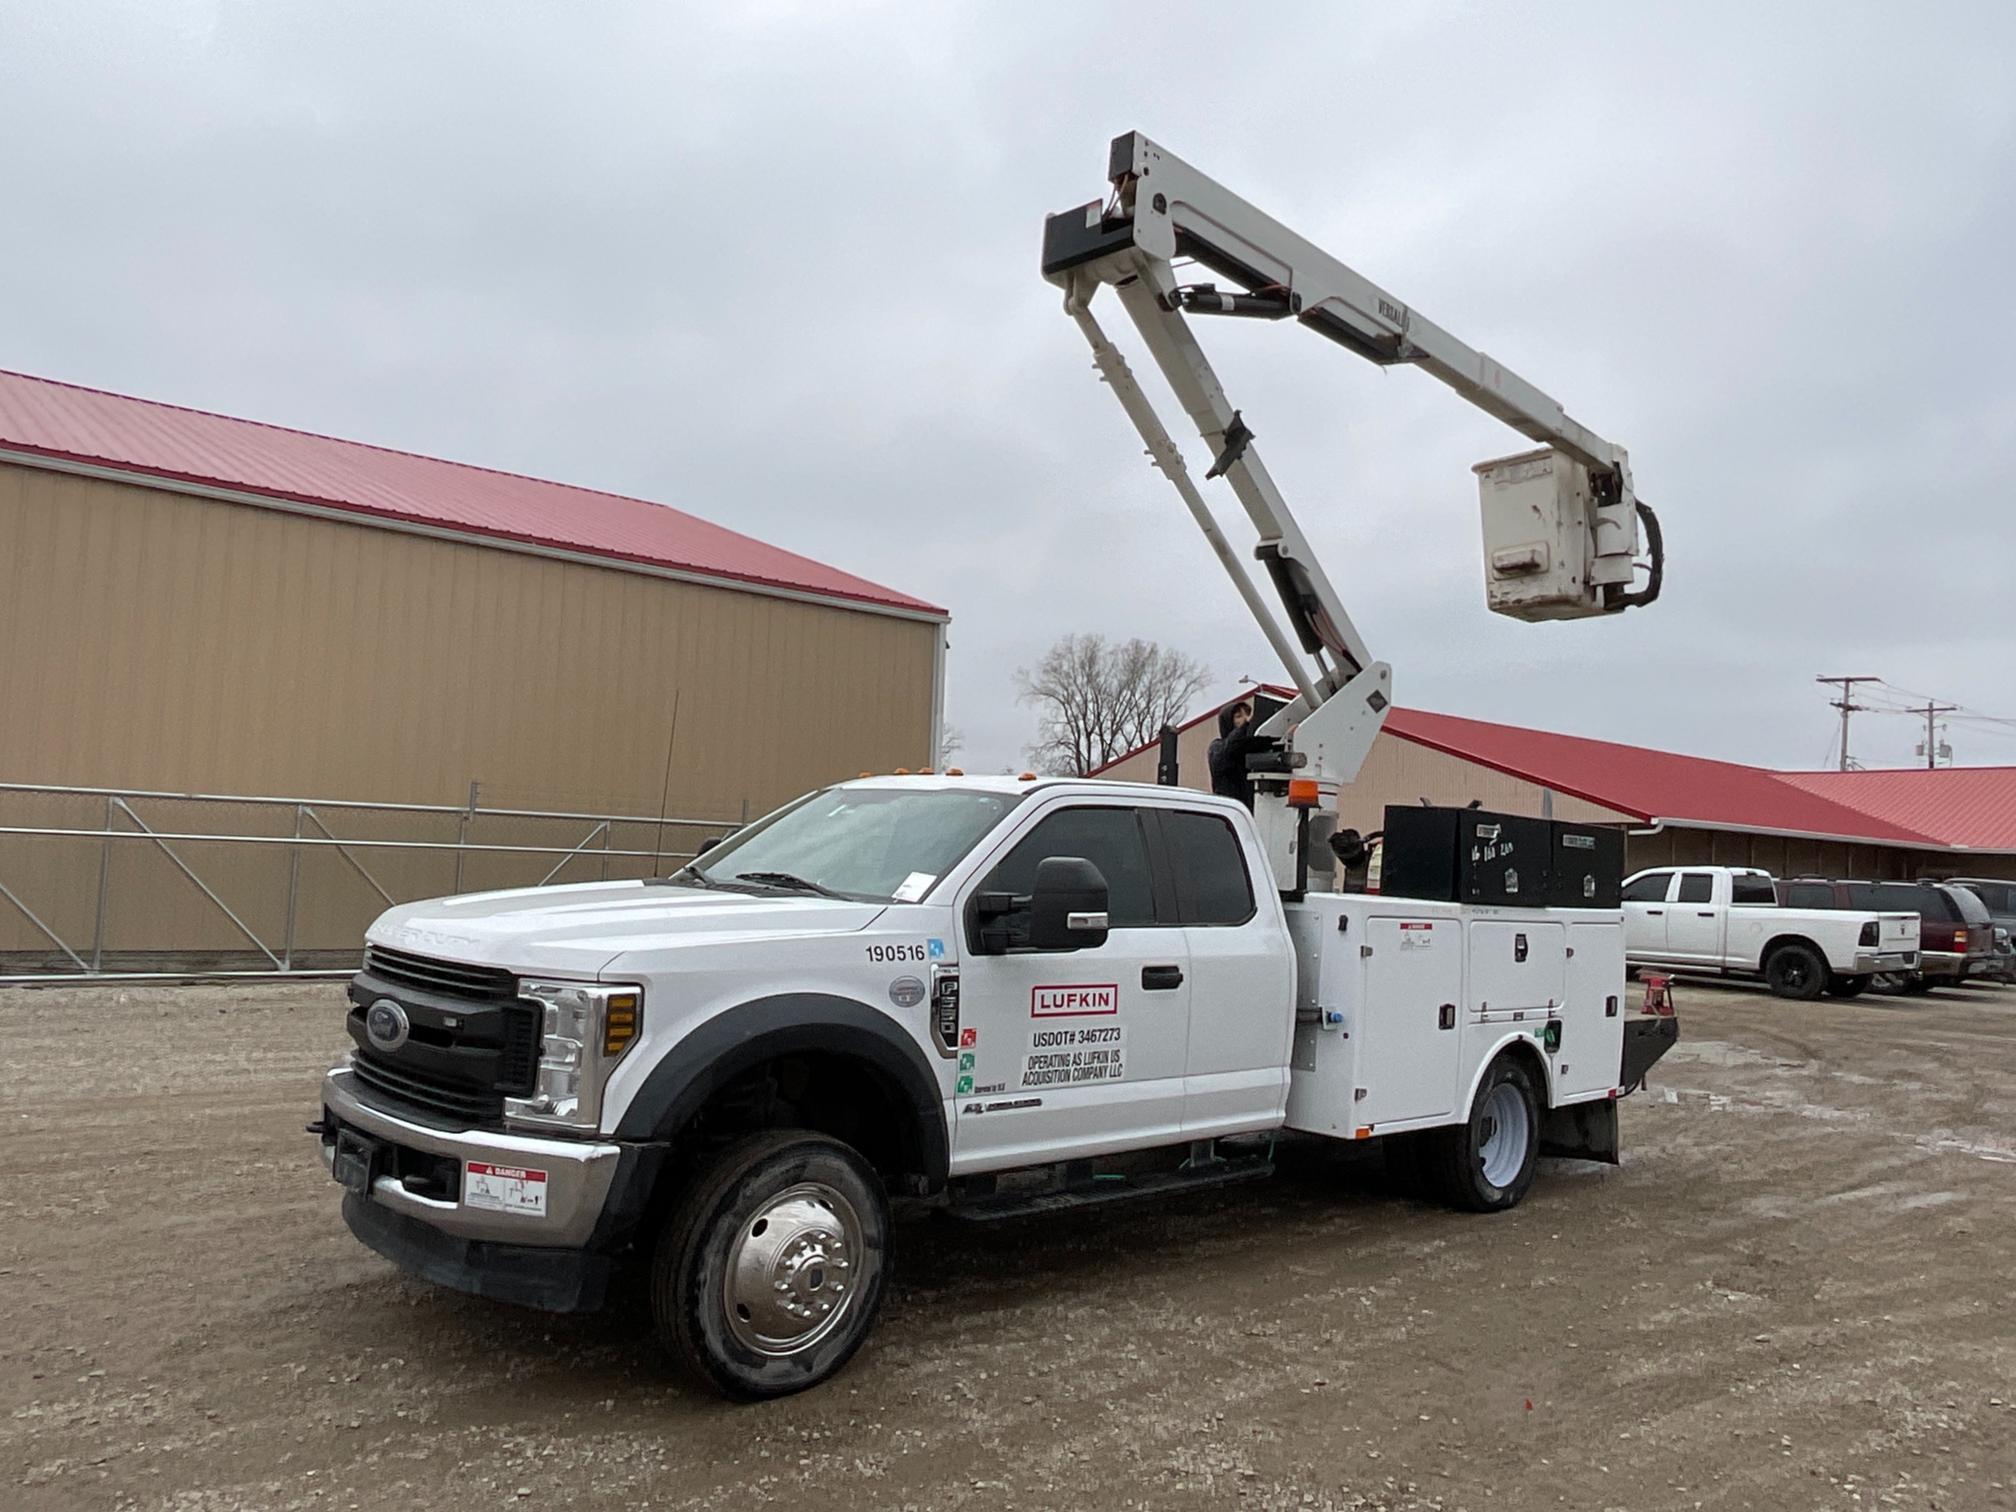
(386,1024)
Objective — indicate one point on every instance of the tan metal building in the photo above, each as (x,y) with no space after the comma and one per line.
(1673,809)
(193,604)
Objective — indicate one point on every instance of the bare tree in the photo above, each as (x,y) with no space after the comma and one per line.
(951,741)
(1096,699)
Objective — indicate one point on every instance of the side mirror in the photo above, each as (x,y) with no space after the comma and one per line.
(706,845)
(1067,907)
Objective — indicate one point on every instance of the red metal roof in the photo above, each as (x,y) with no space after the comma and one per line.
(44,418)
(1652,785)
(1967,807)
(1961,808)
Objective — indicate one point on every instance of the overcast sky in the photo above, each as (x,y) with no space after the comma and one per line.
(776,264)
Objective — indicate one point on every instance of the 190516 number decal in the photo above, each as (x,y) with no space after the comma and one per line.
(888,954)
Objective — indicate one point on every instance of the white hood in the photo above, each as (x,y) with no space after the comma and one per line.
(579,930)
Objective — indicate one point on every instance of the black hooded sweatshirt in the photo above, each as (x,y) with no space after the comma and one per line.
(1228,759)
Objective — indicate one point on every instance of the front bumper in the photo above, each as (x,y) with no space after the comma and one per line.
(578,1173)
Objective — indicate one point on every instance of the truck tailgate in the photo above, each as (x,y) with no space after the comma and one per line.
(1898,931)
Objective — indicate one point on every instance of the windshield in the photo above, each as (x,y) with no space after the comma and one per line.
(886,844)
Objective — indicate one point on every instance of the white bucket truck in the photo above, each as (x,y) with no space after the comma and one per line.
(1008,995)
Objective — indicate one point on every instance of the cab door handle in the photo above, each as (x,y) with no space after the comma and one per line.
(1161,978)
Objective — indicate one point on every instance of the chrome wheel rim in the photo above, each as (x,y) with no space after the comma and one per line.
(793,1270)
(1507,1126)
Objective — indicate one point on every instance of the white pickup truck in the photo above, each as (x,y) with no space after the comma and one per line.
(980,991)
(1726,919)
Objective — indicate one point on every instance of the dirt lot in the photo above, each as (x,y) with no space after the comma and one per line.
(1794,1294)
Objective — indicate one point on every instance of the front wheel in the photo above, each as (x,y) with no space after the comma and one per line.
(1795,971)
(1847,986)
(1485,1164)
(768,1274)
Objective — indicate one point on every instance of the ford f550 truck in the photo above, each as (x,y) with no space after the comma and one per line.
(1009,995)
(976,990)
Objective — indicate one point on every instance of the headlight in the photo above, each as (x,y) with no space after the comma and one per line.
(584,1029)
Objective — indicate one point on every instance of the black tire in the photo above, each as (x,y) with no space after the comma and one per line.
(1454,1157)
(841,1256)
(1797,972)
(1847,986)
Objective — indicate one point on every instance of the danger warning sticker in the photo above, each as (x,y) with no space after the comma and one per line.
(504,1189)
(1070,1002)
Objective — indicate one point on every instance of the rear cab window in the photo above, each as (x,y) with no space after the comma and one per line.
(1209,867)
(1696,887)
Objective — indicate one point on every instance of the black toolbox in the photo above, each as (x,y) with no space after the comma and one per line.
(1465,855)
(1586,869)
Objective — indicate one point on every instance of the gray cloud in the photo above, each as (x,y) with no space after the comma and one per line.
(777,266)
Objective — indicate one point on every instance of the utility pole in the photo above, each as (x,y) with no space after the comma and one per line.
(1931,710)
(1847,705)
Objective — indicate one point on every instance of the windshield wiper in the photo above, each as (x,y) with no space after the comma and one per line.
(786,880)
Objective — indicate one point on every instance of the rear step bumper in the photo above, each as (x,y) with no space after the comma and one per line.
(1646,1038)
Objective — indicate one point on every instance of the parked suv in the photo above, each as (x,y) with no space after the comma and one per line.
(1998,895)
(1956,937)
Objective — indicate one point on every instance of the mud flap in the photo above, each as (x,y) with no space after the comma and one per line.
(1581,1131)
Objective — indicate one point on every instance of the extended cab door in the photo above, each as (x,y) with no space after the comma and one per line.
(1073,1053)
(1645,914)
(1242,974)
(1694,919)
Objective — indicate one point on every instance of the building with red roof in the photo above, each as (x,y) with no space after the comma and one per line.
(191,602)
(1674,808)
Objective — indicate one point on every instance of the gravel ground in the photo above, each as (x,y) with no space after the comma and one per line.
(1793,1294)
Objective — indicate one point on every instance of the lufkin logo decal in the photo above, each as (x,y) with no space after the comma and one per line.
(1073,1002)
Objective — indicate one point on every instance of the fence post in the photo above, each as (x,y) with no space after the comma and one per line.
(462,834)
(293,893)
(104,884)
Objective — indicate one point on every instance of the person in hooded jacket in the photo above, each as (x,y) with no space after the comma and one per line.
(1236,733)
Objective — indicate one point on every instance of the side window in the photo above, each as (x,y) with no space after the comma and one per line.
(1808,895)
(1752,891)
(1866,895)
(1650,888)
(1110,838)
(1696,887)
(1211,869)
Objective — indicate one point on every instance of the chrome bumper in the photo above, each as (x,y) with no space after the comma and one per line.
(1943,963)
(1869,962)
(578,1173)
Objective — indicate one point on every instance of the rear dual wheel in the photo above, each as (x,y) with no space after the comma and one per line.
(1486,1163)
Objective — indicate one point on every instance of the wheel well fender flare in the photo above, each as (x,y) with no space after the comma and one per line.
(741,1038)
(1520,1044)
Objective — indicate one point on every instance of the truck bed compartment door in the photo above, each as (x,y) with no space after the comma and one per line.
(1410,1025)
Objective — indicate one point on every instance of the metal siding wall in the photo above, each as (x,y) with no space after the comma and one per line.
(152,640)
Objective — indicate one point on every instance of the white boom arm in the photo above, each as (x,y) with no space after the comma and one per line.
(1560,525)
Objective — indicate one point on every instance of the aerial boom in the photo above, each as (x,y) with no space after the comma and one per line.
(1560,524)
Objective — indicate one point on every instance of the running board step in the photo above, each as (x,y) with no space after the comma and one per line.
(1215,1173)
